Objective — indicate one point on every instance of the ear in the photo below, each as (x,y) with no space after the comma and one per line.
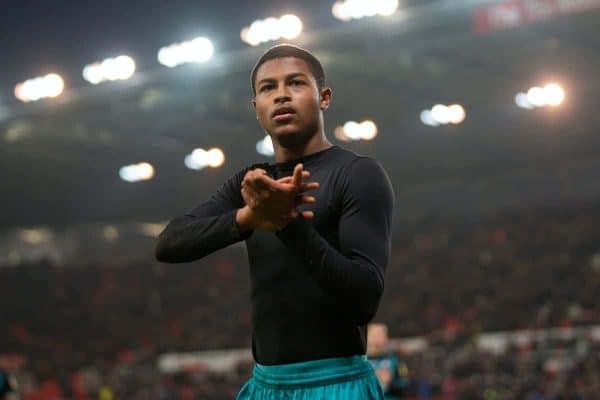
(326,94)
(254,106)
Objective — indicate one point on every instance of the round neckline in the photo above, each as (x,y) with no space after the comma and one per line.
(304,159)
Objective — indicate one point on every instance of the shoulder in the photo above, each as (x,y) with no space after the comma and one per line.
(357,163)
(365,172)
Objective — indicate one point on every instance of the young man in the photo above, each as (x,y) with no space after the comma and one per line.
(318,250)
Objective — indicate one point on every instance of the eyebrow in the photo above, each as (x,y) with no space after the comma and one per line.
(287,77)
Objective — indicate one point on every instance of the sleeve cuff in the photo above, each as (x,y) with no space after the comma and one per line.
(235,229)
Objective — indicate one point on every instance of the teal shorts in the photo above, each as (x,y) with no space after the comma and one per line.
(327,379)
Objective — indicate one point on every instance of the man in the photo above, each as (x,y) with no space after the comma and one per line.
(391,372)
(317,250)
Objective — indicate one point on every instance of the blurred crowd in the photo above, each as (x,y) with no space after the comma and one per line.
(95,333)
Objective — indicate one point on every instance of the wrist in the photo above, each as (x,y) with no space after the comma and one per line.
(243,219)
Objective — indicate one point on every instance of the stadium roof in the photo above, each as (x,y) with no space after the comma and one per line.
(59,159)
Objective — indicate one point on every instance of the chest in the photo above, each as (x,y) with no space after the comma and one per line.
(327,212)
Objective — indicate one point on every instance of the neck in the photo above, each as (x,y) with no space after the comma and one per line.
(315,144)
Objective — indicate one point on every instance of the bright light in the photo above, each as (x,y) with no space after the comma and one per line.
(265,146)
(441,114)
(356,9)
(137,172)
(198,50)
(51,85)
(215,157)
(369,130)
(427,118)
(291,26)
(200,158)
(340,135)
(352,130)
(536,96)
(456,114)
(111,69)
(287,26)
(341,11)
(522,101)
(554,94)
(551,94)
(387,7)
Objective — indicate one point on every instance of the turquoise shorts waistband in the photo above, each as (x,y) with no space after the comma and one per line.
(315,372)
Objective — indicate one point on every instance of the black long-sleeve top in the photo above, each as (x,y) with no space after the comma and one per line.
(316,283)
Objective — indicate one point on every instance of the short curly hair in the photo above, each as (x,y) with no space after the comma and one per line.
(289,50)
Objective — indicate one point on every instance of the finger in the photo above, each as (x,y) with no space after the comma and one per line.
(264,182)
(305,199)
(250,175)
(297,180)
(309,186)
(251,195)
(288,179)
(308,214)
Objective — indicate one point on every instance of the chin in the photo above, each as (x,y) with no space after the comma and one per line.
(287,135)
(292,135)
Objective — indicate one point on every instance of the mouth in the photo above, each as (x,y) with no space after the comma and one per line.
(283,114)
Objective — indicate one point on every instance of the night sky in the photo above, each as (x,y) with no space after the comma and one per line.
(38,37)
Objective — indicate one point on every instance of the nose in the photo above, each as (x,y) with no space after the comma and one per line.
(282,94)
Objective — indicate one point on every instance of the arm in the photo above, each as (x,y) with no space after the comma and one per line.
(354,274)
(205,229)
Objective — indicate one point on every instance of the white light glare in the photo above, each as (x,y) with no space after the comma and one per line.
(111,69)
(355,9)
(35,89)
(200,158)
(197,50)
(441,114)
(287,26)
(352,130)
(265,146)
(554,94)
(137,172)
(550,95)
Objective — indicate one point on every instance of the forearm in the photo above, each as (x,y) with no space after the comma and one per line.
(189,238)
(355,278)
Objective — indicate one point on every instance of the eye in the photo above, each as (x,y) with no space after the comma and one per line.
(297,82)
(264,88)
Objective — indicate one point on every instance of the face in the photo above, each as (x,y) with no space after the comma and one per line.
(288,101)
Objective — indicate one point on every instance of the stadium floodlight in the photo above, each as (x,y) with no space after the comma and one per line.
(551,94)
(356,9)
(456,114)
(287,26)
(555,94)
(198,50)
(352,131)
(137,172)
(111,69)
(536,96)
(441,114)
(265,146)
(522,101)
(48,86)
(200,158)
